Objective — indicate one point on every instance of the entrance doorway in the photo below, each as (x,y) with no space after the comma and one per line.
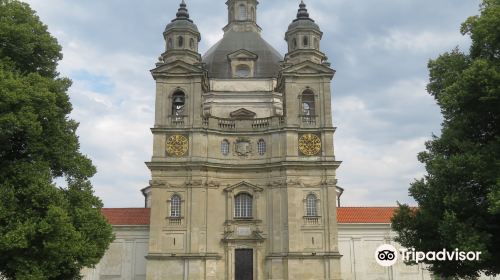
(243,263)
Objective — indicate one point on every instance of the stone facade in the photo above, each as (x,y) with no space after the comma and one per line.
(243,160)
(243,173)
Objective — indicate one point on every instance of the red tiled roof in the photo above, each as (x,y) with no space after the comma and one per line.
(365,215)
(345,215)
(127,216)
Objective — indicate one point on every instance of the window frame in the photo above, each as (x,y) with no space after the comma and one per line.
(224,147)
(243,71)
(308,97)
(242,12)
(178,111)
(261,147)
(311,205)
(175,206)
(243,206)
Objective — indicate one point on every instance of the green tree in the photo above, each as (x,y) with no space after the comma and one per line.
(459,197)
(46,231)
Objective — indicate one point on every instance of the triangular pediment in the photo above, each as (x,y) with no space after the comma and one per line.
(176,67)
(244,185)
(242,114)
(243,55)
(308,67)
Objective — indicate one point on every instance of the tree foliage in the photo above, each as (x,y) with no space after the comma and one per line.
(46,232)
(459,197)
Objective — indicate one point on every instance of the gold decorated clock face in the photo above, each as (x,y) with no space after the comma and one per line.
(309,144)
(177,145)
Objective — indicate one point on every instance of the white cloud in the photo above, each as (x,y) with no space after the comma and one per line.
(378,174)
(380,105)
(422,41)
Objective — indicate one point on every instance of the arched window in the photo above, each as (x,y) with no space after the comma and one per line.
(261,147)
(242,12)
(170,45)
(191,44)
(311,207)
(308,103)
(224,147)
(178,102)
(243,206)
(294,44)
(242,71)
(180,41)
(305,41)
(175,206)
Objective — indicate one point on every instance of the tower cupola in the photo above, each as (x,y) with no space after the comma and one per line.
(181,38)
(242,16)
(303,38)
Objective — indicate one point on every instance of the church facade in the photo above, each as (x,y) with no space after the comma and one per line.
(243,170)
(243,173)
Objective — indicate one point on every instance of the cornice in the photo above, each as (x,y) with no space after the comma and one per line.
(160,165)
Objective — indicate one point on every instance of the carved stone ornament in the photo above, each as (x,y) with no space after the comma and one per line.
(177,145)
(309,144)
(157,183)
(243,147)
(242,114)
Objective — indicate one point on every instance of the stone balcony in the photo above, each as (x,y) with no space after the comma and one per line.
(231,124)
(243,125)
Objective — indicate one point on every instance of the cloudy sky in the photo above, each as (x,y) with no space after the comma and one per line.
(380,49)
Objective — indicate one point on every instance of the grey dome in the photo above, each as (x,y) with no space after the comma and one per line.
(218,65)
(184,24)
(307,24)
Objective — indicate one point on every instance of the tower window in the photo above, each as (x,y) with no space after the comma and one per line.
(261,147)
(191,43)
(305,41)
(308,103)
(311,207)
(224,147)
(242,71)
(170,45)
(294,43)
(243,206)
(178,102)
(175,206)
(180,41)
(242,12)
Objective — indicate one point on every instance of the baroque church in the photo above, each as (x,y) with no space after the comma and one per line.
(243,173)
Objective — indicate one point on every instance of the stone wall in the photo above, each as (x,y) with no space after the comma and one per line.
(125,259)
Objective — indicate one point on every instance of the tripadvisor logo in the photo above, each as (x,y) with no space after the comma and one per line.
(387,255)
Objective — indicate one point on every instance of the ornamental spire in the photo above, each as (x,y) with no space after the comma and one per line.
(182,13)
(302,13)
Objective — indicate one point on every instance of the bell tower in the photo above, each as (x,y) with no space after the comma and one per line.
(180,81)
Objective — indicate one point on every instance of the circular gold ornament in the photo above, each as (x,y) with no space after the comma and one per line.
(309,144)
(177,145)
